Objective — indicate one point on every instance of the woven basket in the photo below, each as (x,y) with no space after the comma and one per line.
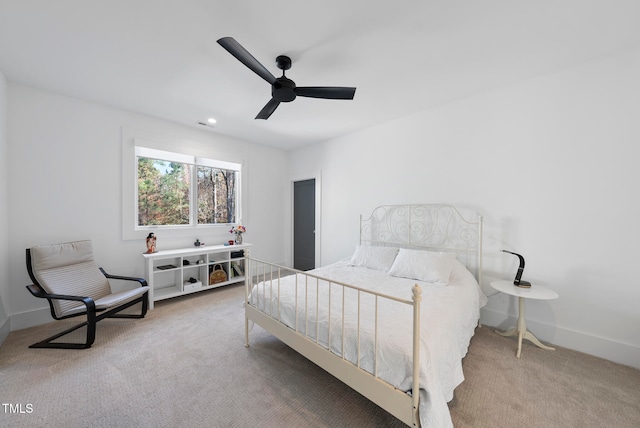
(217,275)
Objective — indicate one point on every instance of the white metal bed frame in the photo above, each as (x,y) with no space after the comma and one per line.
(437,227)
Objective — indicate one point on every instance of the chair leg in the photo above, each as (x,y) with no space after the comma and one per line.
(91,322)
(145,306)
(91,335)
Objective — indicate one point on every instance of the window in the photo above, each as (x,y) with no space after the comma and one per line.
(176,190)
(217,193)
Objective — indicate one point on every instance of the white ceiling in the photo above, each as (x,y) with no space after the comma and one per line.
(161,57)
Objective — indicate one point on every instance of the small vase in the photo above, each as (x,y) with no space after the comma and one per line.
(238,238)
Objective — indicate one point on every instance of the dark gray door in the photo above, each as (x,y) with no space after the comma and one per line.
(304,224)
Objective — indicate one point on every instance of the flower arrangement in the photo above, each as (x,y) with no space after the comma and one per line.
(238,230)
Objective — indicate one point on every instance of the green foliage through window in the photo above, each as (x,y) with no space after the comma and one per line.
(166,197)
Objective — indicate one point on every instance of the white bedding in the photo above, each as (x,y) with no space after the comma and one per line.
(449,315)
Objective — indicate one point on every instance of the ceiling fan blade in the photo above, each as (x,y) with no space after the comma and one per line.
(268,109)
(236,49)
(329,92)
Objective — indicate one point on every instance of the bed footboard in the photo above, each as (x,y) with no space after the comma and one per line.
(265,300)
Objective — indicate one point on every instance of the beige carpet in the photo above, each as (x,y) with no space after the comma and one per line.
(185,365)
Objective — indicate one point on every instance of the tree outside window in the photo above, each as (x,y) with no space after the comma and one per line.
(166,196)
(216,195)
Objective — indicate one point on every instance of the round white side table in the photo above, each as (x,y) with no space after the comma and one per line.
(537,292)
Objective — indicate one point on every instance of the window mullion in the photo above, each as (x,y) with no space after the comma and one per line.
(193,201)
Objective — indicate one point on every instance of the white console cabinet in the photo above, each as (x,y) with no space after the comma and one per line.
(172,273)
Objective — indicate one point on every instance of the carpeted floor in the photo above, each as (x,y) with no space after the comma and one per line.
(185,365)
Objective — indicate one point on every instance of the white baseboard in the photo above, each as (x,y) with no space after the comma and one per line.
(31,318)
(622,353)
(5,329)
(281,263)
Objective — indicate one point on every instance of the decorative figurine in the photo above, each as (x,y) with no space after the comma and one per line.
(151,243)
(517,282)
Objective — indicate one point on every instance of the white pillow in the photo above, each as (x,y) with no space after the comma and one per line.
(428,266)
(378,258)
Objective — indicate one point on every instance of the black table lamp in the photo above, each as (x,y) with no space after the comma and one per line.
(517,281)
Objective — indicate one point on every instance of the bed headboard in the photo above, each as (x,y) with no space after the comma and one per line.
(435,227)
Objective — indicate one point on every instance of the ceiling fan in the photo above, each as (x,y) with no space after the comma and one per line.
(283,90)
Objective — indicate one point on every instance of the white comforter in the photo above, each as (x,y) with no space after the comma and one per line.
(449,315)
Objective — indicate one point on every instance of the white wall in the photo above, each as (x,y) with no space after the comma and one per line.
(4,212)
(65,184)
(551,163)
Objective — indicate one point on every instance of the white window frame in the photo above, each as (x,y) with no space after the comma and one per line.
(194,162)
(134,147)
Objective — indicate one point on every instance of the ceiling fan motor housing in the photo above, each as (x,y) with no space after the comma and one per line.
(283,90)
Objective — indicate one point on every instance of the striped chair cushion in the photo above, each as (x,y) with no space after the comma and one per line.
(50,256)
(69,269)
(81,279)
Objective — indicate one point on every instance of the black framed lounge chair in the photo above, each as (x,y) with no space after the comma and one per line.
(69,278)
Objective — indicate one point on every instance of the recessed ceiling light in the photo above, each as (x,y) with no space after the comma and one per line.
(211,122)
